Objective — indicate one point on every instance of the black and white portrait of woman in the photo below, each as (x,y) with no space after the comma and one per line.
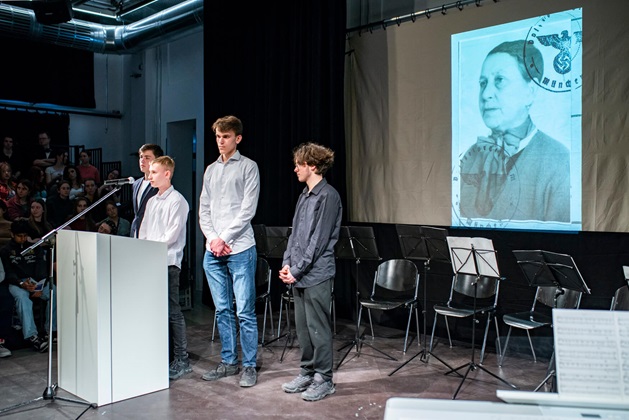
(515,170)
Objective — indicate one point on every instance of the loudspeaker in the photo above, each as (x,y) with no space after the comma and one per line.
(49,12)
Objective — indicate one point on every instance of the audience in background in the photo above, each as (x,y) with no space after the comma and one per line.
(104,189)
(7,187)
(72,174)
(10,155)
(38,182)
(54,172)
(43,155)
(37,220)
(86,169)
(5,225)
(114,224)
(91,193)
(22,274)
(59,207)
(83,223)
(18,205)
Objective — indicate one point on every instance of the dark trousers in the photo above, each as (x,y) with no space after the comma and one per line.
(314,328)
(175,316)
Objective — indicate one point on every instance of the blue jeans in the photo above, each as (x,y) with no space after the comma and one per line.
(24,307)
(229,276)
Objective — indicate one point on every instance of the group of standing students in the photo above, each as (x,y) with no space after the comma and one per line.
(227,204)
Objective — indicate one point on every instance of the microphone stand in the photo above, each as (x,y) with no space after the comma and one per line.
(50,393)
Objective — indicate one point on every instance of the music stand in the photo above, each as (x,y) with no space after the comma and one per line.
(275,242)
(475,257)
(357,243)
(427,244)
(545,268)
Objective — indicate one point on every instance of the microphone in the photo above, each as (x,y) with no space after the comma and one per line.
(121,181)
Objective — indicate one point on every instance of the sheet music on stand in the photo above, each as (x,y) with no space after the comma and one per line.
(592,353)
(481,262)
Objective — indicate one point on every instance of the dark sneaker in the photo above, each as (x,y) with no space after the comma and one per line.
(178,368)
(221,371)
(54,337)
(318,390)
(249,376)
(38,344)
(299,384)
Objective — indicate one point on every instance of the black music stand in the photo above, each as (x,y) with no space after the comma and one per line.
(357,243)
(275,242)
(423,243)
(475,257)
(545,268)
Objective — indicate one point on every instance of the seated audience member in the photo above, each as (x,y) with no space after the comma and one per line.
(83,223)
(7,186)
(60,207)
(18,207)
(22,274)
(91,193)
(114,224)
(5,225)
(54,173)
(86,169)
(37,220)
(10,155)
(72,174)
(104,189)
(44,156)
(38,181)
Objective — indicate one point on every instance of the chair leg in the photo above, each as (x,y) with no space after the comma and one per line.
(408,327)
(531,344)
(417,326)
(482,352)
(373,336)
(448,330)
(358,343)
(504,349)
(279,321)
(497,335)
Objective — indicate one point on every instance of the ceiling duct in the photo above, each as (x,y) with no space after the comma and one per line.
(161,27)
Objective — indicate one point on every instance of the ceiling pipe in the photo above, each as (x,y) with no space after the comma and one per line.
(159,28)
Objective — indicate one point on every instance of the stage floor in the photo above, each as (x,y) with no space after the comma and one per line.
(362,383)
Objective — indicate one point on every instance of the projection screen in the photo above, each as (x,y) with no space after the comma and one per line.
(418,102)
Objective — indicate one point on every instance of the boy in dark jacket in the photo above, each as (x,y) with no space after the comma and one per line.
(22,274)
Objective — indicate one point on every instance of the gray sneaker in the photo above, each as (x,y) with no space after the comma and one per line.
(178,367)
(221,371)
(318,390)
(299,384)
(249,376)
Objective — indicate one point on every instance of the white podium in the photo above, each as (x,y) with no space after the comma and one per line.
(112,316)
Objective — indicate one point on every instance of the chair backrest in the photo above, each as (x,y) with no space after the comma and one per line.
(620,301)
(468,285)
(570,299)
(263,276)
(398,275)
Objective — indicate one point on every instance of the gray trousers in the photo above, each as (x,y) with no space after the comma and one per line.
(175,316)
(314,328)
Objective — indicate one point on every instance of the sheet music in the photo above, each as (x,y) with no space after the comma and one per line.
(625,269)
(592,353)
(464,262)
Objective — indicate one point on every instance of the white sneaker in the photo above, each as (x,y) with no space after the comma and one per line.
(4,352)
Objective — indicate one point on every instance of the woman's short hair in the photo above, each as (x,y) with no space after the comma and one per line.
(516,49)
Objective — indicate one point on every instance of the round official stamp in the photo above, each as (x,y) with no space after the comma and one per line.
(559,38)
